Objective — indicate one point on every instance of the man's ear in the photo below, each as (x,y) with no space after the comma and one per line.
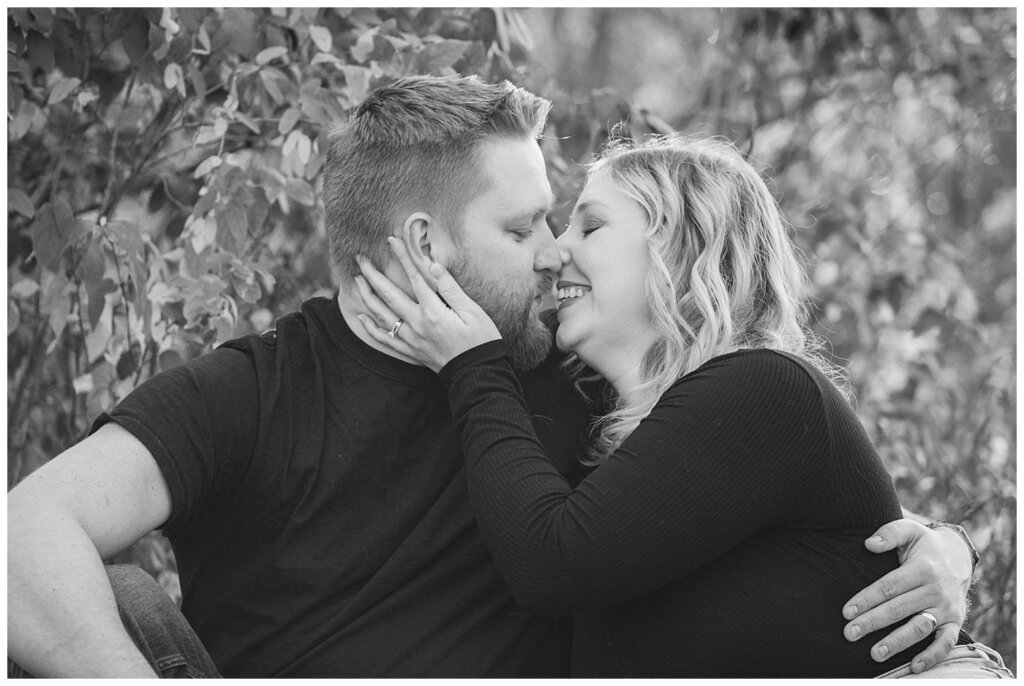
(416,234)
(425,238)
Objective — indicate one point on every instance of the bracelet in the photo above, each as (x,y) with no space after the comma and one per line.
(964,537)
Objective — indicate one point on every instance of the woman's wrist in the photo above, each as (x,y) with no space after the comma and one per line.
(491,351)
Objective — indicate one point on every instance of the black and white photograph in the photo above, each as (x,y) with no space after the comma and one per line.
(537,342)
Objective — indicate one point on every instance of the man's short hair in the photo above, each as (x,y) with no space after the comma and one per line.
(413,145)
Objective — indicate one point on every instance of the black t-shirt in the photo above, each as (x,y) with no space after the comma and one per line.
(320,518)
(721,539)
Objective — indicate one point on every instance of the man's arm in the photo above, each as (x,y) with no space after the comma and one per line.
(88,503)
(934,576)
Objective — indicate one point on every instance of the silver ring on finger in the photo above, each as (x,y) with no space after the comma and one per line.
(398,325)
(929,616)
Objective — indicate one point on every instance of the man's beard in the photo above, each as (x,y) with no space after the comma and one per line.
(514,311)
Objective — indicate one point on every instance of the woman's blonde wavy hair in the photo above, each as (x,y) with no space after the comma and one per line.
(724,273)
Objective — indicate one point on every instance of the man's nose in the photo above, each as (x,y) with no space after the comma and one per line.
(548,257)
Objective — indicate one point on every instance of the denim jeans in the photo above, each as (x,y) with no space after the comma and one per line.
(156,625)
(970,661)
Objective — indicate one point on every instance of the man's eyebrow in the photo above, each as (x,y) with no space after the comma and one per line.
(531,217)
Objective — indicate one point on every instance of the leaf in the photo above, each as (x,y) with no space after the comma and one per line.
(70,48)
(246,288)
(231,226)
(300,191)
(135,38)
(290,142)
(207,199)
(196,78)
(173,75)
(249,122)
(206,166)
(272,53)
(42,18)
(271,181)
(157,197)
(363,48)
(256,212)
(83,384)
(322,38)
(24,289)
(267,278)
(304,148)
(127,236)
(288,120)
(50,231)
(85,98)
(53,301)
(313,166)
(358,81)
(204,297)
(13,317)
(19,201)
(40,50)
(322,57)
(271,81)
(23,119)
(158,43)
(436,57)
(203,234)
(204,38)
(205,135)
(93,264)
(63,89)
(83,231)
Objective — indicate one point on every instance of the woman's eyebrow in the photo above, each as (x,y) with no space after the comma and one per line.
(588,205)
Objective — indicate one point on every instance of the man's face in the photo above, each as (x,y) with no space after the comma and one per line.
(508,258)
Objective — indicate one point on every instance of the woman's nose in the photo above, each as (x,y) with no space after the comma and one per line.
(549,257)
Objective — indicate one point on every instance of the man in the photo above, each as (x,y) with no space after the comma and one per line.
(310,483)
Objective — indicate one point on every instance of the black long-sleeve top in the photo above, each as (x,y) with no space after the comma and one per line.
(721,539)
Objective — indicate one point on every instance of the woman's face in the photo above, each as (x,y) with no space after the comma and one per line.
(602,315)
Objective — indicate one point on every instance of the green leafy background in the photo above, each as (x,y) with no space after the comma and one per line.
(164,195)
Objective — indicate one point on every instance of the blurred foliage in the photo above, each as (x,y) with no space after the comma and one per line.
(164,196)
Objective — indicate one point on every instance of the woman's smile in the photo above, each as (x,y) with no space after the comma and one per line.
(568,292)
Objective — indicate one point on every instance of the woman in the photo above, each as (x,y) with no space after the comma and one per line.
(723,521)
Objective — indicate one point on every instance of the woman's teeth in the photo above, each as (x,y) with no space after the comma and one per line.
(571,292)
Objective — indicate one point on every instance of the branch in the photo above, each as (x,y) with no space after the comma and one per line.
(113,149)
(124,298)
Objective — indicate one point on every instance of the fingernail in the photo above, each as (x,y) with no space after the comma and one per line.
(876,539)
(882,651)
(917,667)
(850,611)
(855,632)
